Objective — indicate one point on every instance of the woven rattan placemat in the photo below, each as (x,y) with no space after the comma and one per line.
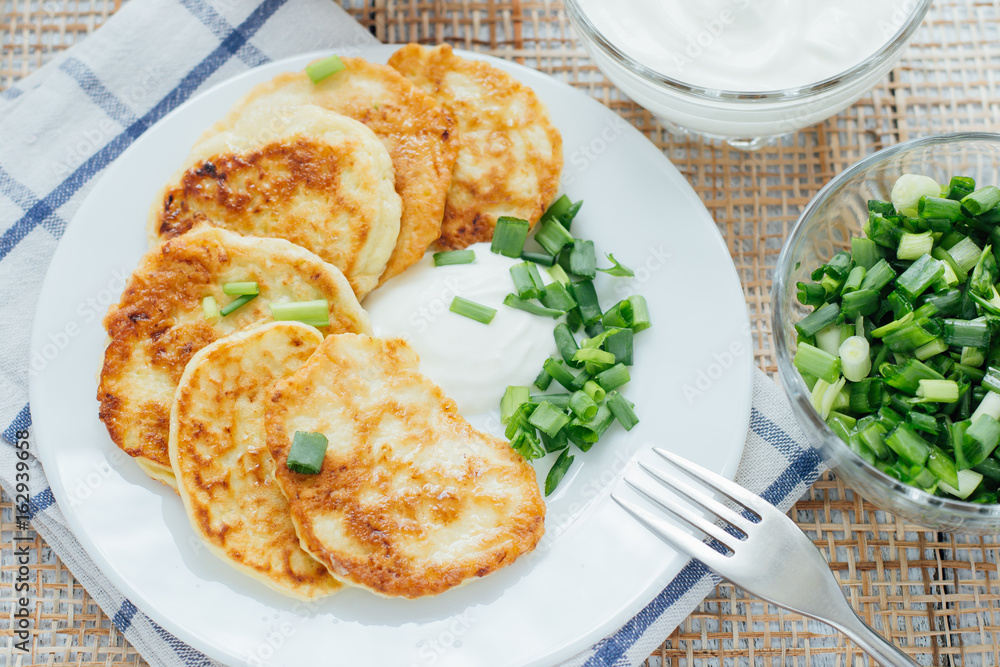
(937,594)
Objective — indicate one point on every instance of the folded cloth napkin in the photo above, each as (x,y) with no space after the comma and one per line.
(61,127)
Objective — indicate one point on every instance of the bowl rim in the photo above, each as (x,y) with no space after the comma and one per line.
(886,52)
(793,384)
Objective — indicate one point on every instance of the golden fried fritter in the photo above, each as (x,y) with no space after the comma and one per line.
(159,324)
(318,179)
(411,500)
(225,475)
(509,152)
(413,127)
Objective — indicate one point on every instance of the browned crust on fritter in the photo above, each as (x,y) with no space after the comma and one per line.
(415,129)
(491,129)
(158,324)
(354,486)
(233,501)
(249,193)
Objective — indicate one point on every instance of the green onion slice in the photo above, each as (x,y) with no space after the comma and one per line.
(472,310)
(640,313)
(514,301)
(324,68)
(238,302)
(582,405)
(566,343)
(585,295)
(558,471)
(307,452)
(613,377)
(981,200)
(553,236)
(526,443)
(594,390)
(210,307)
(539,258)
(558,274)
(548,419)
(618,269)
(544,380)
(563,211)
(512,399)
(452,257)
(314,313)
(622,410)
(591,355)
(855,360)
(557,297)
(239,289)
(527,282)
(509,236)
(583,259)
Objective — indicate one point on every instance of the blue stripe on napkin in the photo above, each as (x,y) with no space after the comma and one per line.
(22,422)
(191,657)
(611,649)
(97,91)
(40,502)
(123,617)
(197,76)
(221,28)
(19,194)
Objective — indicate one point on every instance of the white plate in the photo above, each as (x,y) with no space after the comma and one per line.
(595,568)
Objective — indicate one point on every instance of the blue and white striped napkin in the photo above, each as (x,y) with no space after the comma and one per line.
(62,126)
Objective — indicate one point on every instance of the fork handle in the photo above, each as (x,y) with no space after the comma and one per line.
(871,642)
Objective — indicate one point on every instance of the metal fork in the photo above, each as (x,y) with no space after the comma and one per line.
(768,555)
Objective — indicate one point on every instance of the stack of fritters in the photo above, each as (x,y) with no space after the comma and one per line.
(324,191)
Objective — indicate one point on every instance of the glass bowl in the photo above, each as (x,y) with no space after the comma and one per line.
(835,214)
(745,119)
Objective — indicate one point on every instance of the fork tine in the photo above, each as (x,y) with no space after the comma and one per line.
(699,497)
(672,536)
(721,484)
(682,512)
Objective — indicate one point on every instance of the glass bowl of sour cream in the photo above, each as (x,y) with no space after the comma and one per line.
(745,70)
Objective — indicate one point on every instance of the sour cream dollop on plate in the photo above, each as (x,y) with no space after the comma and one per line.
(472,362)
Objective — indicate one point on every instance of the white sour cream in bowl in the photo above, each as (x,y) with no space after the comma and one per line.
(745,69)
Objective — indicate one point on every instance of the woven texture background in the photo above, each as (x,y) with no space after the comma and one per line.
(936,594)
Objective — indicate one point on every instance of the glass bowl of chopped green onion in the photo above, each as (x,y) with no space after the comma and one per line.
(886,317)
